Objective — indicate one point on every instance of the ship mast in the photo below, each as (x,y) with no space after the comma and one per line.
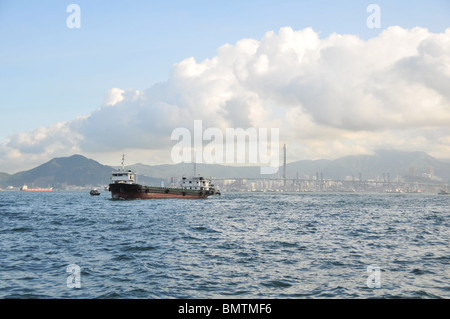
(195,169)
(123,160)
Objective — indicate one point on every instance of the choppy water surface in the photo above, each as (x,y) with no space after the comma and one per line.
(232,246)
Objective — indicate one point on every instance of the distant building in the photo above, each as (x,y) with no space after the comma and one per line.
(431,171)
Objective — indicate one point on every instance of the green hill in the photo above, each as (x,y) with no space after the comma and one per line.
(4,177)
(74,170)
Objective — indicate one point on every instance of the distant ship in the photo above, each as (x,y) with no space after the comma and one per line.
(123,187)
(443,192)
(26,189)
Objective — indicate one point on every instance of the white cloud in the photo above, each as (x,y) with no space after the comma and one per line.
(25,150)
(330,97)
(113,97)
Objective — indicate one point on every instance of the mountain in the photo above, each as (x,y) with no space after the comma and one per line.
(78,170)
(389,164)
(74,170)
(4,177)
(187,169)
(382,163)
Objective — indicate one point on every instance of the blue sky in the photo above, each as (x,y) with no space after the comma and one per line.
(50,73)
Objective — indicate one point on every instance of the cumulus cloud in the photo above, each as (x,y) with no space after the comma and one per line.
(329,97)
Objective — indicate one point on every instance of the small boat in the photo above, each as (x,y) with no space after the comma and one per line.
(443,192)
(94,192)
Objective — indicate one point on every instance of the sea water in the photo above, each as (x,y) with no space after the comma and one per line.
(238,245)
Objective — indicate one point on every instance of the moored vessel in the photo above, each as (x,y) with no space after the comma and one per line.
(123,186)
(26,189)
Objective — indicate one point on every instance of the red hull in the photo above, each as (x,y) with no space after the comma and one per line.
(136,191)
(154,196)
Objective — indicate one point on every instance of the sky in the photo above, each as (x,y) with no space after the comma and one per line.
(136,70)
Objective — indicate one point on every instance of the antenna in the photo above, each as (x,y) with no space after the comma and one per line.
(123,160)
(195,167)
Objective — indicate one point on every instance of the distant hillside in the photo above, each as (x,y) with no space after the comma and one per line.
(74,170)
(186,169)
(382,163)
(371,166)
(4,177)
(80,171)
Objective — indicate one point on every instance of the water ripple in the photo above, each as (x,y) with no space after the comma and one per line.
(239,245)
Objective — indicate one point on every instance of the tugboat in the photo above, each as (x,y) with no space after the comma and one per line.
(123,187)
(94,192)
